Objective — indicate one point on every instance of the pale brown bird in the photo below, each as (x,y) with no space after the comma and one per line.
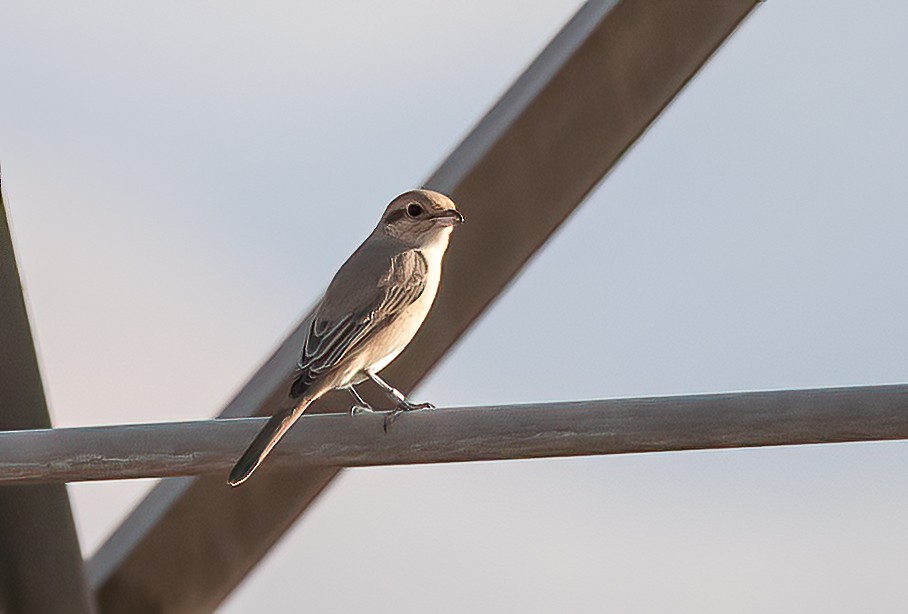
(372,309)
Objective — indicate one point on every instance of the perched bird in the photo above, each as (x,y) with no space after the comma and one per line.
(372,309)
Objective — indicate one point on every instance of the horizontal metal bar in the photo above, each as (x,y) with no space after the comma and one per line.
(616,426)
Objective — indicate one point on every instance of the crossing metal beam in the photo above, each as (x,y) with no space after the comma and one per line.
(38,541)
(619,426)
(524,168)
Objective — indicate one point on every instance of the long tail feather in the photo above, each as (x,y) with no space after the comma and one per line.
(266,439)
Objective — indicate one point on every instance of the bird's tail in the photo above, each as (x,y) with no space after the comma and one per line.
(267,438)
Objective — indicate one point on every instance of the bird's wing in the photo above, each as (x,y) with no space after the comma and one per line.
(364,297)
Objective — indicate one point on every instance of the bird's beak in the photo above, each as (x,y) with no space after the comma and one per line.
(455,216)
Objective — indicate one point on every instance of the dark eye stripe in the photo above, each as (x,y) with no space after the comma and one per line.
(395,215)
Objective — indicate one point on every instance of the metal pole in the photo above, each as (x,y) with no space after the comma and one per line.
(41,568)
(619,426)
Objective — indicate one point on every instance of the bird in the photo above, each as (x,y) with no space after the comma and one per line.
(371,310)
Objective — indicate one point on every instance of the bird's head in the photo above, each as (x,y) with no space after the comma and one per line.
(420,217)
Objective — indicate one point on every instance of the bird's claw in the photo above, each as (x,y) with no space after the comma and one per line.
(360,409)
(402,408)
(391,417)
(408,406)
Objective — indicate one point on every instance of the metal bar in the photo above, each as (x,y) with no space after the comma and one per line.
(527,165)
(619,426)
(41,568)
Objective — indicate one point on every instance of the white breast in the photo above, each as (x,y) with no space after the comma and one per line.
(412,317)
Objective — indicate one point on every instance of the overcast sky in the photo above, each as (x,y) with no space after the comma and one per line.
(184,178)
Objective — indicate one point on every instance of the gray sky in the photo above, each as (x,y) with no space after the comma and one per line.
(164,163)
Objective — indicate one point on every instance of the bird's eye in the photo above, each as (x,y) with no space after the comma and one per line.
(414,210)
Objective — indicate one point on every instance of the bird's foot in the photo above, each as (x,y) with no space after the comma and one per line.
(402,408)
(406,405)
(360,409)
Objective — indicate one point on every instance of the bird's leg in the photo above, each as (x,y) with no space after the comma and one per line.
(361,406)
(403,403)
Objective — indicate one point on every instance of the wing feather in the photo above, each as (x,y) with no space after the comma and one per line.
(397,283)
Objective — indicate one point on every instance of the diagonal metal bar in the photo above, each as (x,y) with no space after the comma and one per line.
(41,568)
(618,426)
(524,168)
